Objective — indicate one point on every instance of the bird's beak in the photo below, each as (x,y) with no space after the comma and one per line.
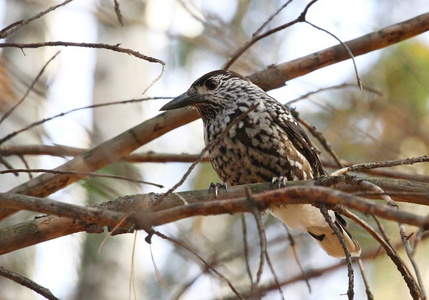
(181,101)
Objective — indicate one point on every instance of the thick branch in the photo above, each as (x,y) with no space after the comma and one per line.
(152,213)
(276,76)
(290,195)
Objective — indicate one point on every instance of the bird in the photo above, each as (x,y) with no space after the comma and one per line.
(267,144)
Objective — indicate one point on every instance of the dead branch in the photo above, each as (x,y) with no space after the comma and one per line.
(63,151)
(118,13)
(153,213)
(30,88)
(276,76)
(27,283)
(8,30)
(82,174)
(367,255)
(256,37)
(62,114)
(115,48)
(350,271)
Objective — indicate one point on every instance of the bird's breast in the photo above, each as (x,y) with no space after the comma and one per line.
(253,150)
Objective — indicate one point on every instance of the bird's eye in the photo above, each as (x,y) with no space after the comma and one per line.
(211,84)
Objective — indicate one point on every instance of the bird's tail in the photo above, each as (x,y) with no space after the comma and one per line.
(307,218)
(330,242)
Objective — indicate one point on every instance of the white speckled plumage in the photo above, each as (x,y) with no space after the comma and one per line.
(267,143)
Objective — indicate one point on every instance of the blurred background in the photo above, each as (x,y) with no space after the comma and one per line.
(389,120)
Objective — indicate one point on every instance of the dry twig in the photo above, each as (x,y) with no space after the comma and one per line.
(27,283)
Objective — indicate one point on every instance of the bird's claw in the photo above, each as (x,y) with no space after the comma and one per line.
(279,181)
(216,187)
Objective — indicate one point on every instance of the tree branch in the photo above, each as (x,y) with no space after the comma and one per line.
(276,76)
(149,212)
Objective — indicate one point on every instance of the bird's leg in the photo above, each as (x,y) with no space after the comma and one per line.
(279,181)
(216,187)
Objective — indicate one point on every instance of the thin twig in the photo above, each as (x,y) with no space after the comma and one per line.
(8,30)
(402,231)
(246,249)
(132,284)
(188,248)
(118,13)
(421,233)
(262,243)
(151,156)
(262,240)
(24,161)
(250,43)
(295,255)
(258,31)
(62,114)
(373,187)
(334,87)
(409,280)
(334,227)
(382,231)
(27,283)
(382,164)
(369,295)
(359,82)
(86,174)
(115,48)
(9,112)
(7,165)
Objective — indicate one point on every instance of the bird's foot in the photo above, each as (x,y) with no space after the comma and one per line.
(216,187)
(279,181)
(154,197)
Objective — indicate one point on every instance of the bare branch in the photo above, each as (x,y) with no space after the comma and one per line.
(81,174)
(276,76)
(42,121)
(384,164)
(62,209)
(246,250)
(359,81)
(7,114)
(118,13)
(27,283)
(256,38)
(369,295)
(334,227)
(152,213)
(62,151)
(295,254)
(183,245)
(335,87)
(115,48)
(258,31)
(8,30)
(412,286)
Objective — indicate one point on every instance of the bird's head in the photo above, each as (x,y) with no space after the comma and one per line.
(214,92)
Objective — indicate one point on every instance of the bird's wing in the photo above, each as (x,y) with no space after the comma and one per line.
(296,134)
